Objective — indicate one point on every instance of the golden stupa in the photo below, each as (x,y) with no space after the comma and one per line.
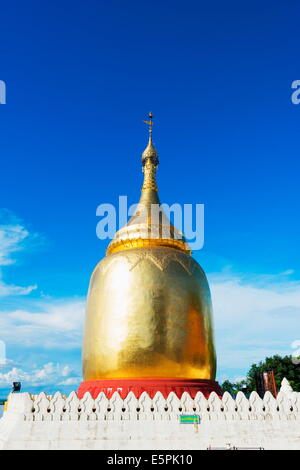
(149,312)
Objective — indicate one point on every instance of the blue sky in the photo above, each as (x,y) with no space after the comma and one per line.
(80,78)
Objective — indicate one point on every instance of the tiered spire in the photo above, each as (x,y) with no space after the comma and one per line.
(150,160)
(142,230)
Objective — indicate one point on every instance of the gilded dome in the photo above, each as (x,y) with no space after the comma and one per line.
(149,310)
(148,315)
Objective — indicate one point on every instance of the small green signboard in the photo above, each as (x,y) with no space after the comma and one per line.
(189,419)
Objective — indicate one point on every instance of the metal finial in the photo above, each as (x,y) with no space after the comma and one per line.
(150,122)
(150,152)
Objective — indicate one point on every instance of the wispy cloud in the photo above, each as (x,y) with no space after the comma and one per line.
(71,381)
(49,373)
(42,328)
(11,290)
(49,325)
(14,237)
(255,317)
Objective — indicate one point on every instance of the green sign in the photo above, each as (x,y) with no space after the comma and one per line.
(189,419)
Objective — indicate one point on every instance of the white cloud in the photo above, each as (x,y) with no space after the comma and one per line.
(11,289)
(71,381)
(56,325)
(65,371)
(11,240)
(40,324)
(49,373)
(14,237)
(65,316)
(254,317)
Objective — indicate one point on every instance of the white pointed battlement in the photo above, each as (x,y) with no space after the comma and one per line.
(285,387)
(67,422)
(43,407)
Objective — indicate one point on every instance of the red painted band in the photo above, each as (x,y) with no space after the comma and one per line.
(151,386)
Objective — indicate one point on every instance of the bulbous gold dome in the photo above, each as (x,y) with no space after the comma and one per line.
(149,310)
(148,315)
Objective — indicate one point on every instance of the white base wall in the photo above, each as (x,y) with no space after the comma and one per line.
(58,422)
(121,435)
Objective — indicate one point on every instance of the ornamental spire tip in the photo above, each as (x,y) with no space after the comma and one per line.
(150,151)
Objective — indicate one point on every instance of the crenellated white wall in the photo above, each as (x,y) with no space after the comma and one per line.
(61,408)
(60,422)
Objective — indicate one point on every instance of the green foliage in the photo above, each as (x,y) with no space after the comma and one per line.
(282,367)
(233,388)
(228,386)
